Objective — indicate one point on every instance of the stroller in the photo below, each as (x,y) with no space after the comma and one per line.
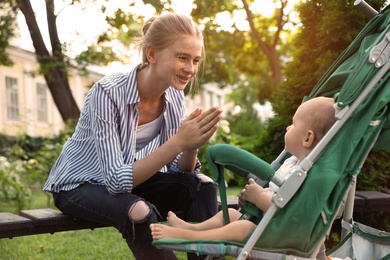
(313,194)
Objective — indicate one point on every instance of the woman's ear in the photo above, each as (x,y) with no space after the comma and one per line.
(150,54)
(309,140)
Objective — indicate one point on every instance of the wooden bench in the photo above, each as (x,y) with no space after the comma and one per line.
(47,220)
(41,221)
(366,201)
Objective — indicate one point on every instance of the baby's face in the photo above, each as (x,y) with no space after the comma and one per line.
(296,133)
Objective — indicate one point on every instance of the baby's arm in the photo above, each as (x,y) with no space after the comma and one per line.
(257,195)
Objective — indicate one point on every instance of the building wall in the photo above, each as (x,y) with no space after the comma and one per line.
(25,70)
(210,95)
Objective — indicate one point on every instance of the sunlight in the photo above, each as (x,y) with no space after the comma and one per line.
(74,22)
(265,7)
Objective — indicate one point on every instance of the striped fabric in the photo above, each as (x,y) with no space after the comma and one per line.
(103,146)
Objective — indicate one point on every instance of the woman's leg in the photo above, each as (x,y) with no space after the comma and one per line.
(215,221)
(194,196)
(234,231)
(130,214)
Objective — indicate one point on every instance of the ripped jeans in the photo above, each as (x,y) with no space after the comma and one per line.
(193,197)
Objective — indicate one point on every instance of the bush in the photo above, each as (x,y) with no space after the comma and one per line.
(13,191)
(25,165)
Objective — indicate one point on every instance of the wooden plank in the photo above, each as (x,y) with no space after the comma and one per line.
(10,221)
(40,221)
(373,201)
(359,202)
(232,201)
(47,217)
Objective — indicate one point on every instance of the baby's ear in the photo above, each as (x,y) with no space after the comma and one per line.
(310,137)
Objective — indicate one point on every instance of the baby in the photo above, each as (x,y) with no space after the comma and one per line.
(310,123)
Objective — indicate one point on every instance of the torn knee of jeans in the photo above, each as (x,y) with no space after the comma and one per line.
(204,178)
(139,211)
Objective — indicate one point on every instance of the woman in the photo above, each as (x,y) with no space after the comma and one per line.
(132,154)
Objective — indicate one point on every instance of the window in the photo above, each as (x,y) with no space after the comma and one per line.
(41,103)
(12,98)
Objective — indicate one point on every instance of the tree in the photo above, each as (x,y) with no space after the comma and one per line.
(54,64)
(8,18)
(254,56)
(319,42)
(269,49)
(53,61)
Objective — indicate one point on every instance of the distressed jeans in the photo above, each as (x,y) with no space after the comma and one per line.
(193,196)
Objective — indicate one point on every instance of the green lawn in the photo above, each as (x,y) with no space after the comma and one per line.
(101,243)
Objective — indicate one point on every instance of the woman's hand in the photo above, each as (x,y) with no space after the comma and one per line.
(198,128)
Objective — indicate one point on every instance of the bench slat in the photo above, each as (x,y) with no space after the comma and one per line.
(47,217)
(10,221)
(40,221)
(373,201)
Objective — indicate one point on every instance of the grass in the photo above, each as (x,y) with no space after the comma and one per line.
(101,243)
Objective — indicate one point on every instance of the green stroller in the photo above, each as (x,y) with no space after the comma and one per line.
(309,200)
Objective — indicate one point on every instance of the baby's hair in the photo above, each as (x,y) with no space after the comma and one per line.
(162,31)
(322,116)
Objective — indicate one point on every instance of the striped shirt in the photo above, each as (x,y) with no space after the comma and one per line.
(103,147)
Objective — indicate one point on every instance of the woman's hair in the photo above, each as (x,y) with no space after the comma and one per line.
(164,30)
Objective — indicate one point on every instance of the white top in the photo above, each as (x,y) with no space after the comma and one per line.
(282,171)
(147,132)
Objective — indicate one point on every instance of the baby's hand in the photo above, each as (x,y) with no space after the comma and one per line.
(251,191)
(257,195)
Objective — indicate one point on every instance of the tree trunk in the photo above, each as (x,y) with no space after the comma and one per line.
(268,49)
(53,66)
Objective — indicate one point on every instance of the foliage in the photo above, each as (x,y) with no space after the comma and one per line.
(115,44)
(374,174)
(246,122)
(252,66)
(7,22)
(225,136)
(319,41)
(26,165)
(13,190)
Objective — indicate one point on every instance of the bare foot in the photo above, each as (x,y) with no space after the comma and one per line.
(175,221)
(160,231)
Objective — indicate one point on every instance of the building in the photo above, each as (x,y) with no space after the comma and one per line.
(210,95)
(26,104)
